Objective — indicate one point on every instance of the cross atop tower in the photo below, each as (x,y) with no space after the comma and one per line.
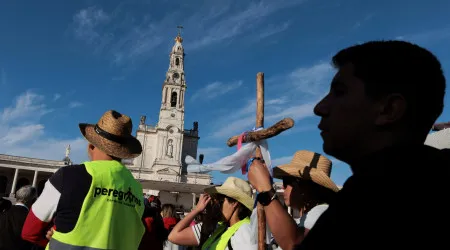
(179,27)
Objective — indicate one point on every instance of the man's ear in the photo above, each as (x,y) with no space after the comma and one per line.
(391,109)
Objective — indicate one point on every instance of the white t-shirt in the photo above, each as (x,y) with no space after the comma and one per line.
(310,218)
(240,240)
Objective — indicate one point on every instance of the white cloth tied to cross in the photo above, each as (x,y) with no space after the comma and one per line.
(232,163)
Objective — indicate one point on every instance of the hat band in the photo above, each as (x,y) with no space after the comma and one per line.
(109,136)
(315,160)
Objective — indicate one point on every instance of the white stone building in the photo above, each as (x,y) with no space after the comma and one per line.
(17,171)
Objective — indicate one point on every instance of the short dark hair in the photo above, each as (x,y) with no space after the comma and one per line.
(400,67)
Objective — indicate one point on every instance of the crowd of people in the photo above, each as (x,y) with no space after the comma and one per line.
(382,103)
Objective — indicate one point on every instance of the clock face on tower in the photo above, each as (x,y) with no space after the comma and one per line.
(176,75)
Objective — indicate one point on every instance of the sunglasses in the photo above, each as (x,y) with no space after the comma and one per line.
(216,198)
(291,180)
(300,182)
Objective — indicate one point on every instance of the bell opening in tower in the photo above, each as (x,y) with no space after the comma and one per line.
(177,61)
(173,99)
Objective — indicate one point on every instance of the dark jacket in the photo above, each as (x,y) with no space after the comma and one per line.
(11,223)
(397,199)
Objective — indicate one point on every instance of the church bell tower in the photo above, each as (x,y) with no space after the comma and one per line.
(171,114)
(174,87)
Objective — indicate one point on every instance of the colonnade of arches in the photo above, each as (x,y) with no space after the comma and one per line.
(22,181)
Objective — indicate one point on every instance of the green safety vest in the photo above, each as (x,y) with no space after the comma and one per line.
(111,215)
(219,239)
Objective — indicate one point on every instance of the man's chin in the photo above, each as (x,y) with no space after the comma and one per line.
(328,149)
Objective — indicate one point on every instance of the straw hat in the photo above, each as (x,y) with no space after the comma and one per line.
(235,188)
(112,134)
(308,165)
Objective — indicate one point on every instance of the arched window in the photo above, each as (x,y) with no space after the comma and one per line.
(41,186)
(173,99)
(3,183)
(177,61)
(22,182)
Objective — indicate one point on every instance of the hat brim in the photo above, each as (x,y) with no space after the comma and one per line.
(305,173)
(132,148)
(241,197)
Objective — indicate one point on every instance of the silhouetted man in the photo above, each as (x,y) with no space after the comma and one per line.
(381,105)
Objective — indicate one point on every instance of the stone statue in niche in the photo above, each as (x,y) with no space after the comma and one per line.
(169,151)
(195,126)
(142,122)
(67,150)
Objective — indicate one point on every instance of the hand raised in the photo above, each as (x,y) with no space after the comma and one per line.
(259,176)
(203,201)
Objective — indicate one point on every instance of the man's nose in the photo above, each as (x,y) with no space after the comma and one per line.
(321,108)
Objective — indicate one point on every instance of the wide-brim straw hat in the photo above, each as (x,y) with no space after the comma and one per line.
(235,188)
(112,135)
(308,165)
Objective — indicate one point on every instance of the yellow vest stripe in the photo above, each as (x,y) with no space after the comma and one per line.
(215,243)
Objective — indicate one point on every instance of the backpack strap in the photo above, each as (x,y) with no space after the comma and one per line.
(229,245)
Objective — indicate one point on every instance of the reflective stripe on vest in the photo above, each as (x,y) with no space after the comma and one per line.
(54,244)
(111,215)
(216,242)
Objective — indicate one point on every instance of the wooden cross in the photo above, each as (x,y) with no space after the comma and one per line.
(272,131)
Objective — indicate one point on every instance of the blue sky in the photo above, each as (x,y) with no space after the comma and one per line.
(65,62)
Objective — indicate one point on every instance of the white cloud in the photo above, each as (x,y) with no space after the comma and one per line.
(28,105)
(296,94)
(22,132)
(87,23)
(244,119)
(215,89)
(312,80)
(56,97)
(75,104)
(128,38)
(296,112)
(239,22)
(49,148)
(273,30)
(427,37)
(280,100)
(124,37)
(366,19)
(281,160)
